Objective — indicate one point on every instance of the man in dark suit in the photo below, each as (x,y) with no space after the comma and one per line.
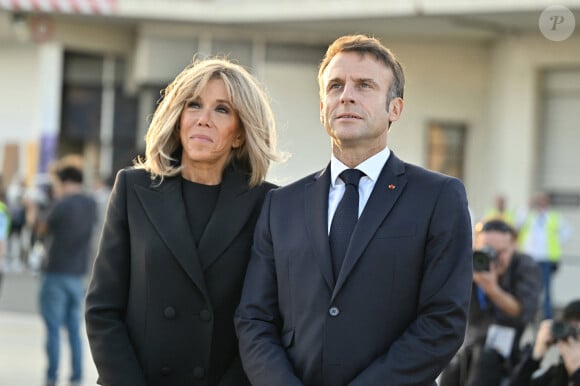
(389,305)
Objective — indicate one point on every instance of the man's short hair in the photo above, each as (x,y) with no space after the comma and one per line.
(499,226)
(363,44)
(70,174)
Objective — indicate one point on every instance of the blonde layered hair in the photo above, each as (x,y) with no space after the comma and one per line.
(162,141)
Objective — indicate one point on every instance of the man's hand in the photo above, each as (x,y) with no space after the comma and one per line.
(570,352)
(487,280)
(543,340)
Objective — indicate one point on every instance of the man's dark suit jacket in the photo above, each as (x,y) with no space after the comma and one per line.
(159,310)
(397,312)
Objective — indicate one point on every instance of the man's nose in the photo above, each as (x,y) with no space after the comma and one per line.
(347,95)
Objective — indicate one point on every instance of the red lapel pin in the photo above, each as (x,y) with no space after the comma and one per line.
(391,187)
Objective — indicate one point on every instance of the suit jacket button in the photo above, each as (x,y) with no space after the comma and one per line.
(169,313)
(198,372)
(205,315)
(166,371)
(333,311)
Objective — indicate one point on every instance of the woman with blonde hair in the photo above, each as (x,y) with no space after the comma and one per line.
(178,233)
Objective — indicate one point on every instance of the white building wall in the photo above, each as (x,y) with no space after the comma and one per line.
(446,82)
(47,123)
(117,38)
(294,93)
(560,137)
(19,77)
(492,88)
(514,113)
(510,146)
(31,79)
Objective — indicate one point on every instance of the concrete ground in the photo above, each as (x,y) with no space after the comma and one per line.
(22,357)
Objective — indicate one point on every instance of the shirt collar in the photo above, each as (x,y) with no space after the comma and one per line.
(371,167)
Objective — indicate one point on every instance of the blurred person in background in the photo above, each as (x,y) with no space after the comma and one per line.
(4,231)
(178,232)
(500,211)
(562,334)
(67,231)
(38,199)
(542,233)
(504,300)
(101,194)
(16,244)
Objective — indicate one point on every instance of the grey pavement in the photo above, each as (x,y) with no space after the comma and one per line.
(22,358)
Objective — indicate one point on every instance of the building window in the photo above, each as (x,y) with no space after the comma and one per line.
(294,53)
(99,116)
(239,52)
(446,144)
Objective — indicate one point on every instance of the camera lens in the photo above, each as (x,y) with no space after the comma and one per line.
(562,330)
(483,257)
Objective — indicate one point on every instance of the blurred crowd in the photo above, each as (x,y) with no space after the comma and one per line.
(516,253)
(24,205)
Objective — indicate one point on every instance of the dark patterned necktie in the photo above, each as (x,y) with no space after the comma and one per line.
(345,218)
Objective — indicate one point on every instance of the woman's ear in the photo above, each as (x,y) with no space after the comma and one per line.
(238,140)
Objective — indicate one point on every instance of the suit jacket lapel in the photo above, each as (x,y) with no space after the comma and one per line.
(387,190)
(233,208)
(164,206)
(316,214)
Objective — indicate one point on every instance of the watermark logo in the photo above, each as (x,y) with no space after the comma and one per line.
(557,23)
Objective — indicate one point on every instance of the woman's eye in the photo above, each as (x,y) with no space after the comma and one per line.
(223,109)
(193,104)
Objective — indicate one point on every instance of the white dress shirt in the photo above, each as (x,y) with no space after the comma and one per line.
(371,168)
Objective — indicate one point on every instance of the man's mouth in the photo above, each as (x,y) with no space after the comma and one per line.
(348,116)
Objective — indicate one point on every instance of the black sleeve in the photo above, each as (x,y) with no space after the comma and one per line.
(522,374)
(575,378)
(106,301)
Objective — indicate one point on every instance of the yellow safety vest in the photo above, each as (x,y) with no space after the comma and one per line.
(4,212)
(552,228)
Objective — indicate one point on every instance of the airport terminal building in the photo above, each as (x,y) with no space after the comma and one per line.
(492,96)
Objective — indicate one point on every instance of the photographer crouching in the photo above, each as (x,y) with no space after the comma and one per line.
(504,299)
(565,336)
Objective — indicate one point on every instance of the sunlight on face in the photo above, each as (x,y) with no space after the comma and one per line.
(209,128)
(354,108)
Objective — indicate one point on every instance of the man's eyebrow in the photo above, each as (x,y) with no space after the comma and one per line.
(366,80)
(357,81)
(335,80)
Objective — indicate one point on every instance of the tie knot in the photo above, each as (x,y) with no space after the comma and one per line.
(351,176)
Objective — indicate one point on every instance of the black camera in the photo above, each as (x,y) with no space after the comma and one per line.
(482,258)
(562,330)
